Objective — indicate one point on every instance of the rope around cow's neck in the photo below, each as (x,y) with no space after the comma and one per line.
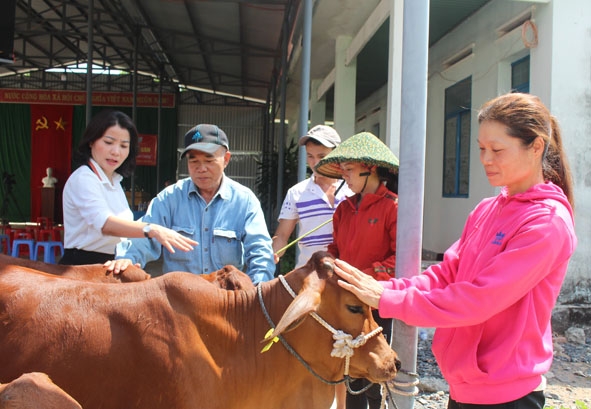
(287,346)
(343,347)
(344,344)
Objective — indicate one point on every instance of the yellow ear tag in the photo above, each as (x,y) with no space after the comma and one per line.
(271,342)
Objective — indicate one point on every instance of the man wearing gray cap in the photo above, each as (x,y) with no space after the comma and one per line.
(311,202)
(223,216)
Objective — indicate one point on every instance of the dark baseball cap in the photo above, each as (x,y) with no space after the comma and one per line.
(205,138)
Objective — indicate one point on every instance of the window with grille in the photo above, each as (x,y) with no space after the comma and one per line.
(456,152)
(520,75)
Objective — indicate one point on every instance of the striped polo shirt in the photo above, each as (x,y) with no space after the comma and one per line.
(308,203)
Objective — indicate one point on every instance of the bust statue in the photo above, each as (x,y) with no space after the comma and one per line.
(49,180)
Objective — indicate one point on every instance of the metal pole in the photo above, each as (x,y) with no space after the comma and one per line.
(136,41)
(304,91)
(89,61)
(134,105)
(268,145)
(282,136)
(413,128)
(159,136)
(305,85)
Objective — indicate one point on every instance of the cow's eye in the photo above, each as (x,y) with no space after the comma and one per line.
(355,309)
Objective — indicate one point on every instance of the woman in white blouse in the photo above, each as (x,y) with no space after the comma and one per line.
(96,212)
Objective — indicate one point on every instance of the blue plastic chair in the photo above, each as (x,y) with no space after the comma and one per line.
(48,250)
(16,243)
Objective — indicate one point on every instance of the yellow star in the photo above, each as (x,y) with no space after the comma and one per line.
(60,124)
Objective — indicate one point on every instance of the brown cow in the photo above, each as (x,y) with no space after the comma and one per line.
(175,341)
(89,272)
(35,391)
(229,277)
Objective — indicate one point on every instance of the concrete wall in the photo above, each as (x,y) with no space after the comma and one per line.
(488,67)
(568,76)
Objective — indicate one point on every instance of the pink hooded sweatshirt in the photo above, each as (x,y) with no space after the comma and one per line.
(491,297)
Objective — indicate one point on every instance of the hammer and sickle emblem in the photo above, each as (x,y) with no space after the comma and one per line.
(41,123)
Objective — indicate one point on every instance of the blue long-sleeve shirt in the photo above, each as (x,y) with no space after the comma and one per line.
(230,229)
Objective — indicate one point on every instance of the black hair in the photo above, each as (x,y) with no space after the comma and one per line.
(314,141)
(96,130)
(391,178)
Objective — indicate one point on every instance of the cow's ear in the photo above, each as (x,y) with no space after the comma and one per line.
(306,301)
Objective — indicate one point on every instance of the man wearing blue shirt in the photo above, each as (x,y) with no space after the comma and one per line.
(223,216)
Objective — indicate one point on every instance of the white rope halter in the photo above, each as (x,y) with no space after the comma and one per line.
(344,344)
(344,347)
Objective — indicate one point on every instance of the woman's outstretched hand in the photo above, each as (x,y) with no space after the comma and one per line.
(171,239)
(365,287)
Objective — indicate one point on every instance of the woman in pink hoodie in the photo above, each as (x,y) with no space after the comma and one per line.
(491,298)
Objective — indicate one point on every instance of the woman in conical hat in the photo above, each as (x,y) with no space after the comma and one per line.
(364,225)
(367,149)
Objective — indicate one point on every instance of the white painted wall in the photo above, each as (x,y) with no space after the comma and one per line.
(489,68)
(567,91)
(560,75)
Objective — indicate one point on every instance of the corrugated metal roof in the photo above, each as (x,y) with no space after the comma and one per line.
(225,46)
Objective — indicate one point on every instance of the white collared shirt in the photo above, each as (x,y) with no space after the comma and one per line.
(88,200)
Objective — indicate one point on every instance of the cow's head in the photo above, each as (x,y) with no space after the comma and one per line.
(318,292)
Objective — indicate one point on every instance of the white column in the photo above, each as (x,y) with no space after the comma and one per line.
(317,106)
(394,76)
(344,89)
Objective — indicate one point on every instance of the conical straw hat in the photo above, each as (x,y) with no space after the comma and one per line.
(363,147)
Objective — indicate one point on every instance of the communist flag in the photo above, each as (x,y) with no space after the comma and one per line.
(51,147)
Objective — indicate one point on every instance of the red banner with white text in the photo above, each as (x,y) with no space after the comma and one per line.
(51,147)
(102,98)
(148,150)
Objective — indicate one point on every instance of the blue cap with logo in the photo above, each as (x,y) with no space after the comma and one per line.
(205,138)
